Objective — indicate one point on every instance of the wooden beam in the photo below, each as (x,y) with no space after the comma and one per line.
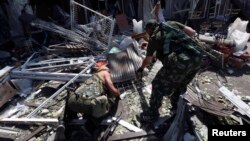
(130,135)
(27,137)
(6,92)
(30,120)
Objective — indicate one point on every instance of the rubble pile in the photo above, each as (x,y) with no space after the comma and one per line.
(43,60)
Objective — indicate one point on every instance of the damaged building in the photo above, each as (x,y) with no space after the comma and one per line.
(49,48)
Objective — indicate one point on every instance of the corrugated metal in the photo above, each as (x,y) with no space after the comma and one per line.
(212,107)
(136,60)
(123,65)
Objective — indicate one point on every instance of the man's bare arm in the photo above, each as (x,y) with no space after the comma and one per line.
(110,85)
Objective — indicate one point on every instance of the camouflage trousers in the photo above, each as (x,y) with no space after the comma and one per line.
(95,107)
(169,82)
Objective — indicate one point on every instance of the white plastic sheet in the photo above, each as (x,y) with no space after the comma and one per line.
(137,26)
(237,33)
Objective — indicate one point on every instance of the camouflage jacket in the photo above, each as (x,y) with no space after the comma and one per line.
(91,88)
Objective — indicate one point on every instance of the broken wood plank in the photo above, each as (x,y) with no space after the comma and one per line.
(27,137)
(130,135)
(30,120)
(6,93)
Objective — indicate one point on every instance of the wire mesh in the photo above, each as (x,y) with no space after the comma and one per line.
(91,24)
(139,82)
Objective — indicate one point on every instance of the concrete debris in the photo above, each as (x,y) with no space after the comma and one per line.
(246,98)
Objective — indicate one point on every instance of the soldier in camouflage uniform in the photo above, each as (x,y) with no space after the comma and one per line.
(181,60)
(94,97)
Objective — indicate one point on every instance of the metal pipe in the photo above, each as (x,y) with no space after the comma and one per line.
(58,60)
(56,66)
(16,74)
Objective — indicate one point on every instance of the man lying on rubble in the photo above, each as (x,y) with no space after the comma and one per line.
(181,61)
(96,95)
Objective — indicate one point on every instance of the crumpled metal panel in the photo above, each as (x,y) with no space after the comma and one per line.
(212,107)
(123,65)
(134,57)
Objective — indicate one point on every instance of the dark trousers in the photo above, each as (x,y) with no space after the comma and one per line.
(168,83)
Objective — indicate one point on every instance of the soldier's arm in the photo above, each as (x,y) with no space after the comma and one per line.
(187,29)
(110,85)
